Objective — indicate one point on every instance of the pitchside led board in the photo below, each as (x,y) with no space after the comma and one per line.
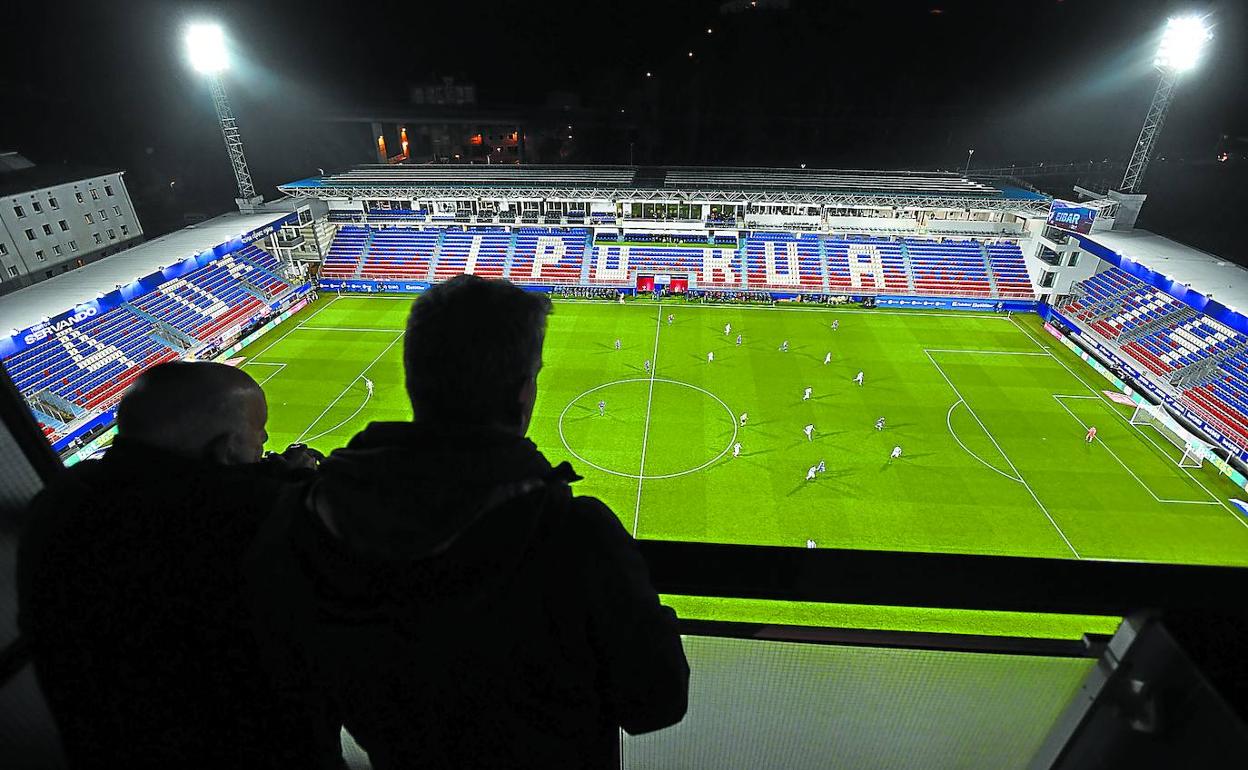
(1071,216)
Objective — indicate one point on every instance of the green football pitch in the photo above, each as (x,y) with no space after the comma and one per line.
(989,411)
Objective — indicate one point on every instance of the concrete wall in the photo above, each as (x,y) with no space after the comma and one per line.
(52,234)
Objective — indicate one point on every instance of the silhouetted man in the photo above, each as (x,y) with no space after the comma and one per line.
(130,585)
(466,609)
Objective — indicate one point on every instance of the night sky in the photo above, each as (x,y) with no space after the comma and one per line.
(853,84)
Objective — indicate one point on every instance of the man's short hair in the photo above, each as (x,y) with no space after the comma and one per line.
(471,345)
(185,404)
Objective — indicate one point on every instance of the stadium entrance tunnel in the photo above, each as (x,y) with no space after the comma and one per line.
(649,429)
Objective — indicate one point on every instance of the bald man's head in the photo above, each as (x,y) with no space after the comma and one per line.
(196,409)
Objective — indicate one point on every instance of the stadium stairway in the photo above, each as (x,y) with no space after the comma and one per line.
(436,258)
(162,331)
(909,267)
(823,264)
(589,257)
(992,278)
(510,260)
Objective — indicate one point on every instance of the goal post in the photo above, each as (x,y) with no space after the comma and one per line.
(1194,451)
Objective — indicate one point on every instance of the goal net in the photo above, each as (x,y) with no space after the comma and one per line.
(1194,451)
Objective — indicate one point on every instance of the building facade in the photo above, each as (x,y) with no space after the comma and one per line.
(54,219)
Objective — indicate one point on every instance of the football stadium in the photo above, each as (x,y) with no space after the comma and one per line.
(960,376)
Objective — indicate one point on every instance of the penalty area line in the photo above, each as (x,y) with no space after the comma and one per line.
(1004,456)
(338,398)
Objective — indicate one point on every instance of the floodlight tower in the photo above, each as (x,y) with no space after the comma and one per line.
(205,46)
(1181,44)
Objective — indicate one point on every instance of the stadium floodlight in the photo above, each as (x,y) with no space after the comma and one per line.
(205,46)
(206,50)
(1181,44)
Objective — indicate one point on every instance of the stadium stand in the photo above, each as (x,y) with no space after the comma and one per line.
(549,254)
(853,264)
(91,364)
(400,252)
(478,251)
(783,261)
(1009,270)
(346,252)
(1203,360)
(954,268)
(84,369)
(866,264)
(712,268)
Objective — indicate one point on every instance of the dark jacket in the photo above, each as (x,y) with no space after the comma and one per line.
(466,611)
(130,589)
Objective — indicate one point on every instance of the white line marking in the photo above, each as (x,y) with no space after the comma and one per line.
(1097,394)
(645,436)
(277,371)
(1014,468)
(1126,467)
(304,326)
(987,352)
(731,417)
(952,432)
(367,396)
(295,326)
(363,371)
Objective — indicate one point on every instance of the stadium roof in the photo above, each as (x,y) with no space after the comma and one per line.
(1210,275)
(765,185)
(26,307)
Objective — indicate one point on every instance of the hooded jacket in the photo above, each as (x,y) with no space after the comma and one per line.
(463,609)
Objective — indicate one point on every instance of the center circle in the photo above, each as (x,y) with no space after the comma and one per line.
(648,428)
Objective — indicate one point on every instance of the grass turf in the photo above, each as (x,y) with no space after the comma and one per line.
(990,415)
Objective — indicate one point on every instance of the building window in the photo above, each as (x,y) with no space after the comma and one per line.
(112,234)
(47,229)
(103,214)
(73,245)
(30,234)
(1046,280)
(64,226)
(125,229)
(117,210)
(108,190)
(56,249)
(21,212)
(88,218)
(1074,259)
(98,238)
(52,201)
(4,250)
(39,255)
(48,273)
(37,207)
(95,194)
(78,195)
(12,271)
